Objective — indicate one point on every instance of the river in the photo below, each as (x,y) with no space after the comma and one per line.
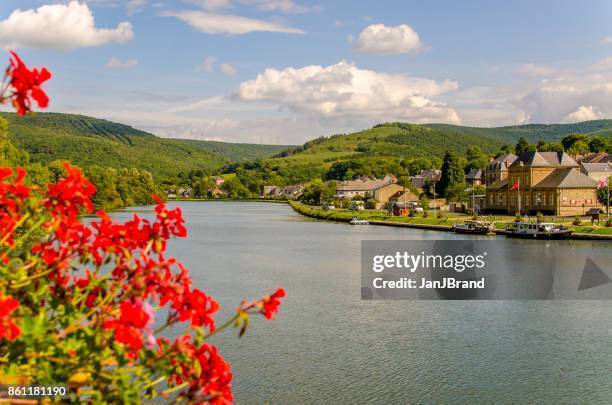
(328,346)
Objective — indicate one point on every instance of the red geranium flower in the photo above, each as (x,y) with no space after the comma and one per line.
(8,329)
(26,85)
(271,303)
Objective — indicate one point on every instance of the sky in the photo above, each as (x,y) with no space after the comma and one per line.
(285,71)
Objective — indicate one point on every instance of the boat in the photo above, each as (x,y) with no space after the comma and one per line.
(357,221)
(537,230)
(475,226)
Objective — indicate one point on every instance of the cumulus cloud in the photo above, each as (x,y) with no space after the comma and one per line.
(116,63)
(228,69)
(607,40)
(383,40)
(345,91)
(228,24)
(59,26)
(583,113)
(581,93)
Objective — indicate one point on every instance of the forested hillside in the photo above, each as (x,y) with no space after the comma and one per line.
(89,141)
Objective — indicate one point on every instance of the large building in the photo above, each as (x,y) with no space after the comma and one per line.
(497,169)
(548,182)
(362,187)
(596,171)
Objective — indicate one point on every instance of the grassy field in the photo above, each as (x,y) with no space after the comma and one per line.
(447,220)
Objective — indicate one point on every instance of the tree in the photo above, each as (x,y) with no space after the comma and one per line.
(415,166)
(579,148)
(452,176)
(476,158)
(569,140)
(551,147)
(521,146)
(598,144)
(317,192)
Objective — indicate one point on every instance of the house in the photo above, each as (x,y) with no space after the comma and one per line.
(362,187)
(474,177)
(497,169)
(184,192)
(548,182)
(271,191)
(599,157)
(426,176)
(292,191)
(596,171)
(218,181)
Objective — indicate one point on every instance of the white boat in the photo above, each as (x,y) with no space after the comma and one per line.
(537,230)
(357,221)
(475,227)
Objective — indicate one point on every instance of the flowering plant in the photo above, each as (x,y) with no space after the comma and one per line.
(80,304)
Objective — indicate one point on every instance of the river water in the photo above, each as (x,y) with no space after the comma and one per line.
(328,346)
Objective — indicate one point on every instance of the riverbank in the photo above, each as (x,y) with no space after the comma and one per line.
(429,223)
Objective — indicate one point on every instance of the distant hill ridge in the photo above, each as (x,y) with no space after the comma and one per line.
(87,141)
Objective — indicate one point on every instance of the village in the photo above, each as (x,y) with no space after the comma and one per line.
(548,183)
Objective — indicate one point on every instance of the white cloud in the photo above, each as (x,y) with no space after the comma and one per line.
(228,24)
(533,69)
(583,113)
(116,63)
(607,40)
(209,64)
(134,6)
(383,40)
(58,26)
(345,91)
(580,93)
(227,69)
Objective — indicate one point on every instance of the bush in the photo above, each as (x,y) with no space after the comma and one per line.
(425,214)
(540,217)
(518,217)
(439,215)
(577,221)
(609,223)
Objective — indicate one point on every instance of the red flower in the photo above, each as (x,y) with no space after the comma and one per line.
(8,329)
(271,303)
(69,194)
(199,307)
(128,328)
(26,85)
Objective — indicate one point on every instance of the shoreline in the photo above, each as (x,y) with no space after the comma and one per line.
(318,214)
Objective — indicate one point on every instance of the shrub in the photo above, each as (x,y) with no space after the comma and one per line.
(425,214)
(439,215)
(540,217)
(609,223)
(577,221)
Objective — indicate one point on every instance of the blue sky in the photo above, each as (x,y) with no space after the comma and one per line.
(290,70)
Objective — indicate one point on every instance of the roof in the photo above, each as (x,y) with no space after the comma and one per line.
(601,157)
(545,159)
(362,184)
(498,185)
(511,157)
(566,178)
(597,167)
(474,174)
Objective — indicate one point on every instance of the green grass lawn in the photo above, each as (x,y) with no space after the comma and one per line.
(447,220)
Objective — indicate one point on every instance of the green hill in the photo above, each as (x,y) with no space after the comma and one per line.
(387,145)
(91,141)
(531,132)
